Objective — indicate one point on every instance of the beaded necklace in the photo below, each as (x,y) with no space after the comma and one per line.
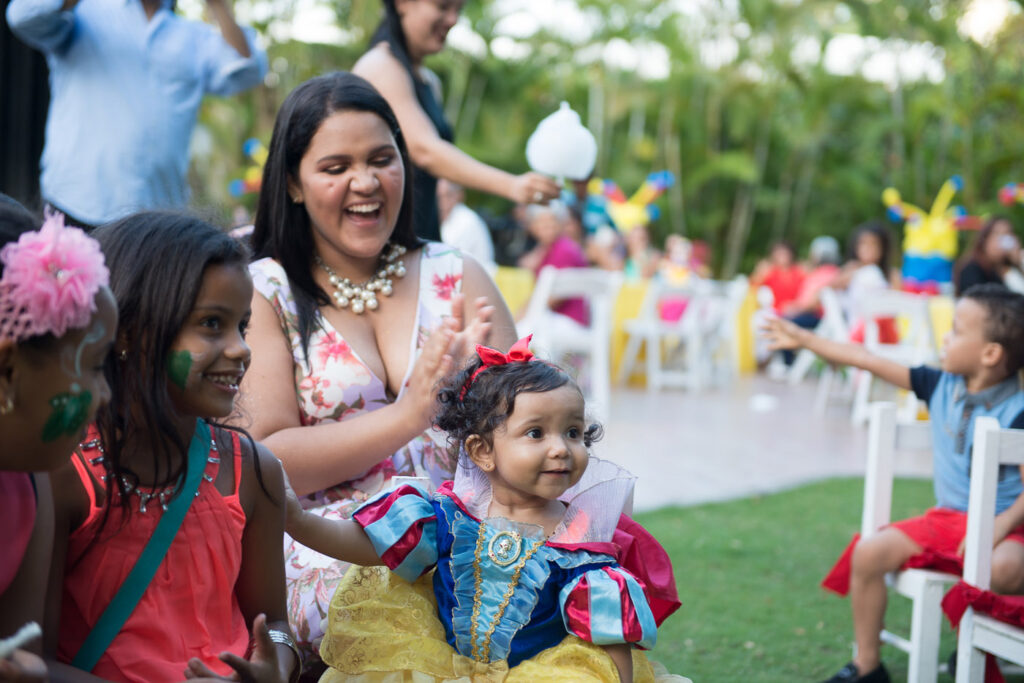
(162,495)
(360,297)
(503,550)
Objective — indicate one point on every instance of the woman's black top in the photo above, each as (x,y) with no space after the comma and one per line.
(426,215)
(973,274)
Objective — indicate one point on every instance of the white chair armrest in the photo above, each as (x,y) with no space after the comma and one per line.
(878,475)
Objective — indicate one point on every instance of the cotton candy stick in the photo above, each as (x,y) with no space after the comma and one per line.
(25,634)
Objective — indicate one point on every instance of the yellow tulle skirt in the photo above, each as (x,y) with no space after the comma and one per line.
(382,629)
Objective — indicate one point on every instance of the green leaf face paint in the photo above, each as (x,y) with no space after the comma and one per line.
(68,415)
(179,365)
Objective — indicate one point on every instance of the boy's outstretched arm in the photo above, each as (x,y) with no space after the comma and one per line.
(784,335)
(342,539)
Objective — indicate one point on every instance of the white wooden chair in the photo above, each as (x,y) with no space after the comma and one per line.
(915,347)
(923,587)
(980,633)
(557,336)
(689,352)
(831,326)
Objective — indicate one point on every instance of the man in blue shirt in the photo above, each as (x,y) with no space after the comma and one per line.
(126,81)
(981,360)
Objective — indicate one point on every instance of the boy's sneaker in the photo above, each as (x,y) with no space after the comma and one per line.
(848,674)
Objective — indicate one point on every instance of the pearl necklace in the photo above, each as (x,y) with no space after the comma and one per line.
(358,298)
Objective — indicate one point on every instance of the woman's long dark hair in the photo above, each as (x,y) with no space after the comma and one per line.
(977,251)
(283,231)
(157,260)
(390,31)
(884,241)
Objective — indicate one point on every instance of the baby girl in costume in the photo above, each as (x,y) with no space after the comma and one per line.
(537,576)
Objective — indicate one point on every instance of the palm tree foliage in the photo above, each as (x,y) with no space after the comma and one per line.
(767,142)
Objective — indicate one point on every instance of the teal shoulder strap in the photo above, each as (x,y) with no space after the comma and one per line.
(128,595)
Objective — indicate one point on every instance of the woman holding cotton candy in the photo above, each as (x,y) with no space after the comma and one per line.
(411,31)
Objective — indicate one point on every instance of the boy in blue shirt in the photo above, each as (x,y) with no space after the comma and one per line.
(981,360)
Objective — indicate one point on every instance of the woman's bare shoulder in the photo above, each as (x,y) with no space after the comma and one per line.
(378,62)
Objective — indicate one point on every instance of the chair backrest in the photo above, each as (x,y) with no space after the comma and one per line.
(596,286)
(911,308)
(886,437)
(833,323)
(992,447)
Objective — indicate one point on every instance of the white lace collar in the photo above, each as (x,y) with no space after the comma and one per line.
(595,503)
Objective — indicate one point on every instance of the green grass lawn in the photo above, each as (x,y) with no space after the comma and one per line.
(748,573)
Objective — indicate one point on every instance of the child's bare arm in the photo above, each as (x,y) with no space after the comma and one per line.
(622,655)
(782,334)
(342,539)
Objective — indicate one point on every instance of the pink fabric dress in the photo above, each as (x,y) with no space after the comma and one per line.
(18,510)
(336,385)
(565,253)
(189,608)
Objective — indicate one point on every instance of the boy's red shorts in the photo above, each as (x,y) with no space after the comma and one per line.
(938,531)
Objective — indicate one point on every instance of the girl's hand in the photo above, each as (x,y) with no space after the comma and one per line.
(263,667)
(24,667)
(433,364)
(782,334)
(468,336)
(533,188)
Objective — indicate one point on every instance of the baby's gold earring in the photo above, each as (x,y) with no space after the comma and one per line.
(7,407)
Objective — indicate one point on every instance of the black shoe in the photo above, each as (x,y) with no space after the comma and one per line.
(848,674)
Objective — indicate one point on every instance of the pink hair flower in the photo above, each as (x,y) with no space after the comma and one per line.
(50,280)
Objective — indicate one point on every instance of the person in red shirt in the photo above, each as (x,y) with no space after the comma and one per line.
(781,274)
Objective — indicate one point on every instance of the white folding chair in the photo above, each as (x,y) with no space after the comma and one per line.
(831,326)
(559,336)
(915,347)
(679,352)
(979,633)
(923,587)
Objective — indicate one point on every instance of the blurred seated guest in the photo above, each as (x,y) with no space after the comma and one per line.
(781,274)
(677,263)
(602,243)
(461,227)
(994,257)
(547,225)
(642,260)
(823,267)
(865,275)
(126,81)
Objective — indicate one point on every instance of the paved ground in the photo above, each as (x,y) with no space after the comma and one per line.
(757,436)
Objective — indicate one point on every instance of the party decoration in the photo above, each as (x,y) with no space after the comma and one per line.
(253,177)
(638,210)
(562,147)
(1011,193)
(929,239)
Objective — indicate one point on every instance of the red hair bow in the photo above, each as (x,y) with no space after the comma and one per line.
(519,353)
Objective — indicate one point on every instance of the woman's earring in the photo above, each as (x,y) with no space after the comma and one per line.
(7,407)
(123,356)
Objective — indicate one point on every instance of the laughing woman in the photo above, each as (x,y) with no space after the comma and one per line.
(411,31)
(354,319)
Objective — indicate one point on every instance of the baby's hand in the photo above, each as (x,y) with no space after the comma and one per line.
(781,334)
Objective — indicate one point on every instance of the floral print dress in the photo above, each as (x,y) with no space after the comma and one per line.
(336,385)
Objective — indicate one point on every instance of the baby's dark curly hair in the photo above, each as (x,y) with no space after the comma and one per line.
(491,398)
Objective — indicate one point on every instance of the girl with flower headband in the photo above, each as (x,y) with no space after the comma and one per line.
(57,322)
(156,471)
(526,558)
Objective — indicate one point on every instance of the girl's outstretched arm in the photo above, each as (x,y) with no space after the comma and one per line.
(260,587)
(622,655)
(342,539)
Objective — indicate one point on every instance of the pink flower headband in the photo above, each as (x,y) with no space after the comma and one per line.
(519,353)
(50,281)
